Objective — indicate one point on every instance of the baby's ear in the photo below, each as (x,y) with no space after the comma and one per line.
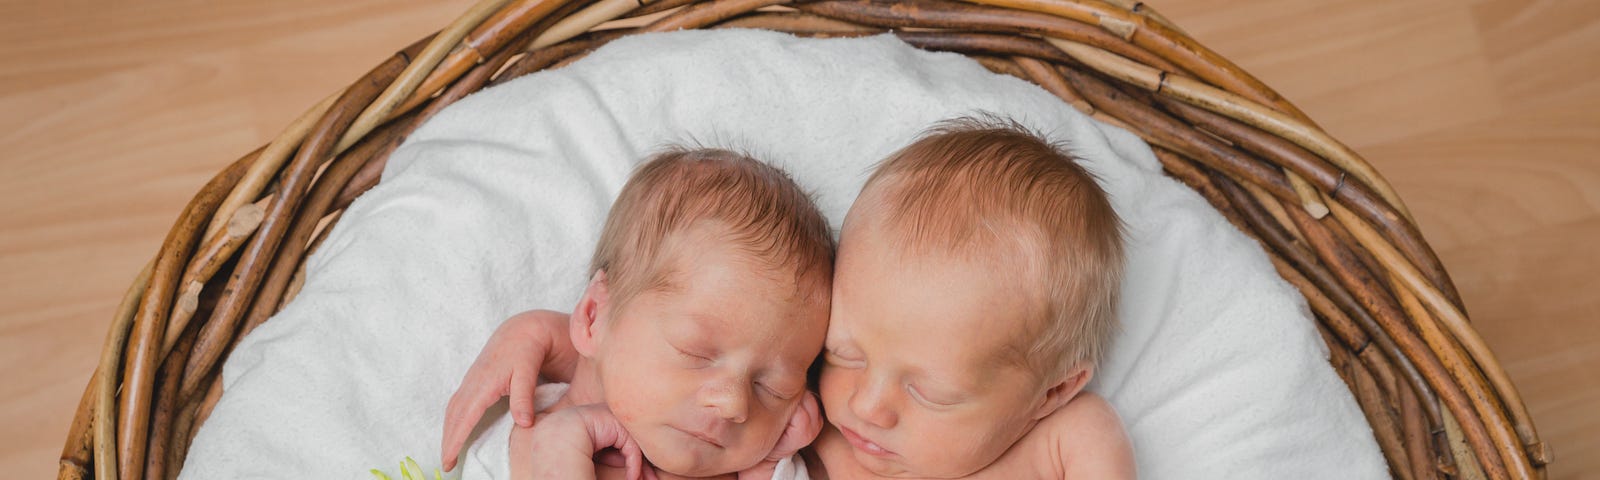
(586,321)
(1059,394)
(802,429)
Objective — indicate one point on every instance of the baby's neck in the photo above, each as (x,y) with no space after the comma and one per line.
(585,388)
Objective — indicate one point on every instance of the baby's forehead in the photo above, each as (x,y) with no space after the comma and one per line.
(963,324)
(712,264)
(961,231)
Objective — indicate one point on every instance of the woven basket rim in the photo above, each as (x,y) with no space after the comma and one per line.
(1437,399)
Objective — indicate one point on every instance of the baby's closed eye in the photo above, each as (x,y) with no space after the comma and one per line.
(693,357)
(841,358)
(783,390)
(933,397)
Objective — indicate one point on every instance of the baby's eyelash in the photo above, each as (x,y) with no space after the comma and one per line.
(690,355)
(833,352)
(775,392)
(925,400)
(834,358)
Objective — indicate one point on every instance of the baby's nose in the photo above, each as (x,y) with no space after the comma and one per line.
(730,401)
(871,403)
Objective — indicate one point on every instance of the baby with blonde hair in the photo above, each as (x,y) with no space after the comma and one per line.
(974,295)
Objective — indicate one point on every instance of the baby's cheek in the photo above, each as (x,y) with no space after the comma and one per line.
(625,416)
(625,396)
(832,388)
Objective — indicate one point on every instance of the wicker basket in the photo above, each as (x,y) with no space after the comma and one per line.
(1438,401)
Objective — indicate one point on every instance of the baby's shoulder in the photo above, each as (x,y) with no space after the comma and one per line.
(1085,438)
(1085,414)
(536,322)
(540,315)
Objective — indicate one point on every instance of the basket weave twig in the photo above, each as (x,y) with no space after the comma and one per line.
(1438,401)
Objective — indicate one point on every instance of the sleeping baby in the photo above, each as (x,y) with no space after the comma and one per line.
(973,297)
(708,302)
(974,292)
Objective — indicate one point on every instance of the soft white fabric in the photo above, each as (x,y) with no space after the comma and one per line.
(547,394)
(493,208)
(792,468)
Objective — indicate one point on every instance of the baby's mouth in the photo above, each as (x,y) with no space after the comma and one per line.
(861,443)
(702,436)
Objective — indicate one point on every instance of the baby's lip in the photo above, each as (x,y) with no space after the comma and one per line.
(863,444)
(701,435)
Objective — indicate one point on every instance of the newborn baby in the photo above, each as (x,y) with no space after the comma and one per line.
(973,296)
(708,302)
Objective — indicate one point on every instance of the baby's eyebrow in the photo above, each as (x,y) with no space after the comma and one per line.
(708,321)
(700,328)
(1010,355)
(781,371)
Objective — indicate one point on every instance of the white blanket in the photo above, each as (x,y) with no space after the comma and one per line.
(493,208)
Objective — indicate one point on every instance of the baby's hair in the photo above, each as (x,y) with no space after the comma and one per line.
(987,184)
(758,206)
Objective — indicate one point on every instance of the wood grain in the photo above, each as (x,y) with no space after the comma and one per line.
(1481,112)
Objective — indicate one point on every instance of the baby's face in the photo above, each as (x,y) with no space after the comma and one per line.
(916,374)
(706,374)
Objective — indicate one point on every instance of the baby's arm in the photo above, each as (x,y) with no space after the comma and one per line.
(525,347)
(1090,440)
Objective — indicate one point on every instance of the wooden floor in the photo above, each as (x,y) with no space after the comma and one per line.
(1484,114)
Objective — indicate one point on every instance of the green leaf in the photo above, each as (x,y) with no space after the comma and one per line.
(421,474)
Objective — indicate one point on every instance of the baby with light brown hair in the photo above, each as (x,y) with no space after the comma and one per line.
(974,295)
(707,303)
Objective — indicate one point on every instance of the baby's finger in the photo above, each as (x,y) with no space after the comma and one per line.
(633,457)
(522,385)
(450,443)
(447,447)
(605,432)
(450,446)
(465,409)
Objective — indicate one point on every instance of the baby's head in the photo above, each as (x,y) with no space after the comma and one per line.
(973,296)
(708,301)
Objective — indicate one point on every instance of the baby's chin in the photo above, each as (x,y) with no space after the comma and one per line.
(897,468)
(879,466)
(672,453)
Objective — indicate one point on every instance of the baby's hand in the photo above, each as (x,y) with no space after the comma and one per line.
(525,346)
(565,443)
(802,429)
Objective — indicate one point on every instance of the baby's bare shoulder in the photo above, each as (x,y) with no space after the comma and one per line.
(1087,439)
(542,315)
(548,321)
(1088,411)
(1082,439)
